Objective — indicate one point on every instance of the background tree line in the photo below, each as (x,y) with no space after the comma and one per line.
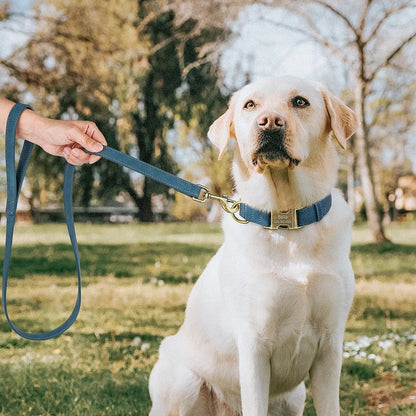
(143,68)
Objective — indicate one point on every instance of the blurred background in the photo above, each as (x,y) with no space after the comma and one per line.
(154,74)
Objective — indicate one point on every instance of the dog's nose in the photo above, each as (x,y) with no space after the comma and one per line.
(271,121)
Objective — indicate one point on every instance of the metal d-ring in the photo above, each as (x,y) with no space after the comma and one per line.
(236,207)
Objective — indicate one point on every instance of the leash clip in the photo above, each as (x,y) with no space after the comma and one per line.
(233,209)
(224,201)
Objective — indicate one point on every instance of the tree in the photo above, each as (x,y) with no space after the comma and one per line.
(65,66)
(179,78)
(129,67)
(361,38)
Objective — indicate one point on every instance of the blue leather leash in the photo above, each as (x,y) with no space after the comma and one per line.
(15,179)
(290,219)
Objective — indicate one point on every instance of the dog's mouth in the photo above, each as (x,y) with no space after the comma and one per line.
(271,151)
(262,160)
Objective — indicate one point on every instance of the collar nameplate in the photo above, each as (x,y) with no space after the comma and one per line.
(284,219)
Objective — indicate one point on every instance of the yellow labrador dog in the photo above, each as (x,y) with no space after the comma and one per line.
(271,306)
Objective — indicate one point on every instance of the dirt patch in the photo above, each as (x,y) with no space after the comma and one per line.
(389,394)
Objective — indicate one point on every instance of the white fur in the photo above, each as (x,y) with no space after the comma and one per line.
(271,306)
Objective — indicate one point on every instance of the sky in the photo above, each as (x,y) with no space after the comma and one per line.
(258,50)
(11,30)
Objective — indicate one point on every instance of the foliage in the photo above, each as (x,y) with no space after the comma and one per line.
(134,68)
(135,285)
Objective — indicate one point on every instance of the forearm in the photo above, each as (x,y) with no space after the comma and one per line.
(28,120)
(5,107)
(64,138)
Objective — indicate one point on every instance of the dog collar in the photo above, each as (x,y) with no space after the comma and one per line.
(291,219)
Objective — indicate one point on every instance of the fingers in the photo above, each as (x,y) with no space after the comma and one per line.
(93,136)
(75,156)
(87,135)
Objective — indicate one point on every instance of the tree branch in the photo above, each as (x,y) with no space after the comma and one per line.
(364,15)
(387,14)
(387,61)
(317,36)
(338,13)
(150,18)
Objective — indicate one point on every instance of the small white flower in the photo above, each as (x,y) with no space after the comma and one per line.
(384,345)
(136,341)
(145,346)
(375,357)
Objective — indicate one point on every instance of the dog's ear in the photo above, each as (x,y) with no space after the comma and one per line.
(342,119)
(220,131)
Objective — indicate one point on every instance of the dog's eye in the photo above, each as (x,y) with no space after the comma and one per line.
(300,102)
(249,105)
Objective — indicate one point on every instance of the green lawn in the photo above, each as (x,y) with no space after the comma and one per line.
(136,279)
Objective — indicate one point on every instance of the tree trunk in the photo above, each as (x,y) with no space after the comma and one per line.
(365,166)
(146,131)
(351,180)
(145,208)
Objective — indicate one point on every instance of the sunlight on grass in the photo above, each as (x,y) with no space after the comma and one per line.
(399,233)
(136,280)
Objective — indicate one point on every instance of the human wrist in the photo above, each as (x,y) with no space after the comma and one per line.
(29,126)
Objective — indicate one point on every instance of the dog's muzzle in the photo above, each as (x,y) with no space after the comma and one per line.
(271,137)
(271,149)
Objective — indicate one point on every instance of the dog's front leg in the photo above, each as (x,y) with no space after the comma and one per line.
(254,370)
(325,380)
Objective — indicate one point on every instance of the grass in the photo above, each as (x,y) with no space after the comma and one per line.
(136,280)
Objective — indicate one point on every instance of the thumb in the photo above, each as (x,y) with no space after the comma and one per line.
(89,136)
(91,144)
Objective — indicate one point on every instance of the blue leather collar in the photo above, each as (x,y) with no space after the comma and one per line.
(290,219)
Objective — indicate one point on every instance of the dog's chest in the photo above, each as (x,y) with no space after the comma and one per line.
(288,300)
(287,306)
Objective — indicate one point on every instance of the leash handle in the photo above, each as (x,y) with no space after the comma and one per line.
(15,179)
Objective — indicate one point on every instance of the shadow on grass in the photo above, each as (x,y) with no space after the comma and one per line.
(172,262)
(56,389)
(386,261)
(383,248)
(103,338)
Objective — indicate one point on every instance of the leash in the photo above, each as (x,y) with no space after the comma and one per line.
(291,219)
(14,184)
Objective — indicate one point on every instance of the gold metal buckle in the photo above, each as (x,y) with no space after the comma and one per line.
(284,219)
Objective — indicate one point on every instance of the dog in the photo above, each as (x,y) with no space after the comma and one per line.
(271,306)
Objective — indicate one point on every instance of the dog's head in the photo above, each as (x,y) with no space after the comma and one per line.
(280,122)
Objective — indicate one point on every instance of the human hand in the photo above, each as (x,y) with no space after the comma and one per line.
(62,137)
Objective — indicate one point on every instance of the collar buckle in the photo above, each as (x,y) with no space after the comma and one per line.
(284,219)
